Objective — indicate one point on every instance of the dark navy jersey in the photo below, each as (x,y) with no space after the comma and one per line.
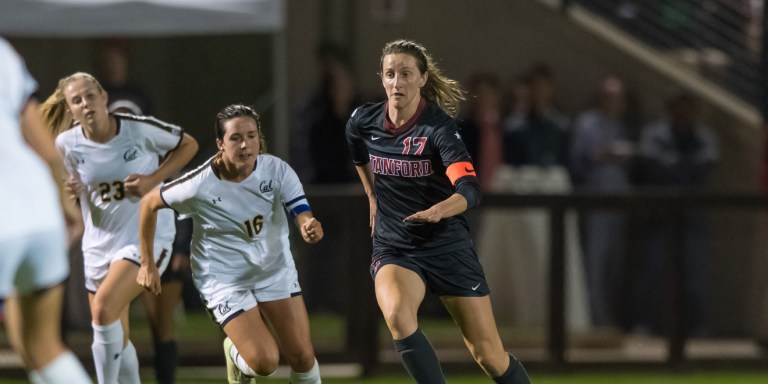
(416,166)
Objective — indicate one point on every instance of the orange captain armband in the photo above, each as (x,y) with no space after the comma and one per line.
(458,170)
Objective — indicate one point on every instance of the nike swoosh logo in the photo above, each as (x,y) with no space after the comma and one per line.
(476,286)
(468,170)
(375,138)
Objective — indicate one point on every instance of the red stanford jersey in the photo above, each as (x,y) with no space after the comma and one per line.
(409,164)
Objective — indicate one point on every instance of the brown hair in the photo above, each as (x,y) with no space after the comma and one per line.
(55,111)
(230,112)
(445,92)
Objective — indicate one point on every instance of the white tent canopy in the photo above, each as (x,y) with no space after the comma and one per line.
(159,18)
(137,18)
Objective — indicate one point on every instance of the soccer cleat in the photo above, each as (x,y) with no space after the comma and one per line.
(234,374)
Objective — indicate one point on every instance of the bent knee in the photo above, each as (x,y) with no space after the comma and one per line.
(104,311)
(302,361)
(265,368)
(401,323)
(490,358)
(264,362)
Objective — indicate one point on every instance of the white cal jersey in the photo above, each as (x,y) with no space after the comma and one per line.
(29,200)
(240,229)
(111,217)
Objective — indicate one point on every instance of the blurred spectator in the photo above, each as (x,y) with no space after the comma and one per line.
(126,97)
(513,244)
(321,157)
(678,151)
(755,26)
(538,136)
(324,157)
(481,127)
(113,65)
(599,156)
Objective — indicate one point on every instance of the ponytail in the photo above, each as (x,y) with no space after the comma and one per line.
(56,114)
(54,110)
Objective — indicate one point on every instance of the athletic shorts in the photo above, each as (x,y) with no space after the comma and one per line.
(33,262)
(226,306)
(456,273)
(95,275)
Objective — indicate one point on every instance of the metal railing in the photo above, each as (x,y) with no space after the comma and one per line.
(363,317)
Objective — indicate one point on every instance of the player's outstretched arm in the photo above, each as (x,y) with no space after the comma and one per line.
(452,206)
(149,276)
(138,185)
(36,135)
(366,177)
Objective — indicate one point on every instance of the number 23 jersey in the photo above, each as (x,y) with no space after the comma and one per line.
(111,217)
(240,229)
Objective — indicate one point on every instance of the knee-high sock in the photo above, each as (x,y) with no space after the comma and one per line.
(129,366)
(65,368)
(419,358)
(166,360)
(310,377)
(240,362)
(515,374)
(107,350)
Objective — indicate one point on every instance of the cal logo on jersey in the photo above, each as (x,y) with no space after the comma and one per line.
(266,186)
(131,154)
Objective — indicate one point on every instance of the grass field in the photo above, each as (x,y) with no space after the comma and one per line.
(628,378)
(328,331)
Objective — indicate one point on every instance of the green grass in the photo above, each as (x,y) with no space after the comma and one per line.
(328,334)
(597,378)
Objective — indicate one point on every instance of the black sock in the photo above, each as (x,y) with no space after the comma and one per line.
(515,374)
(419,359)
(166,360)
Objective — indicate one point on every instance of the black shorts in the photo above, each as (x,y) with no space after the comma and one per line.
(456,273)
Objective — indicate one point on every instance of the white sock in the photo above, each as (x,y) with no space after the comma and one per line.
(129,366)
(240,362)
(65,368)
(310,377)
(107,350)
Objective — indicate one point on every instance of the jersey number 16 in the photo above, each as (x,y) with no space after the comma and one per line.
(254,226)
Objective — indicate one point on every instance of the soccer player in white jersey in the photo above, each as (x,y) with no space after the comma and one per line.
(241,259)
(113,160)
(33,240)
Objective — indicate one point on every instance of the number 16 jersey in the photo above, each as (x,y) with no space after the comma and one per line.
(240,229)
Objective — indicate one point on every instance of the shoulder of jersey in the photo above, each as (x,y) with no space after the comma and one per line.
(149,120)
(437,113)
(436,117)
(269,160)
(367,110)
(67,136)
(197,172)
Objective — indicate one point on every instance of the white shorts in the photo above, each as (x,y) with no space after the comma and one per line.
(95,275)
(33,262)
(228,305)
